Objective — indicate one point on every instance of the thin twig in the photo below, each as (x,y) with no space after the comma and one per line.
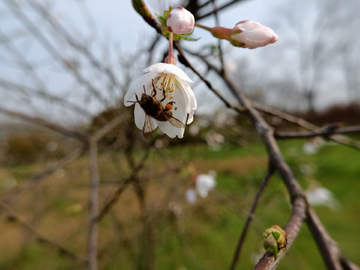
(220,8)
(328,248)
(250,216)
(79,47)
(45,123)
(121,188)
(94,205)
(217,21)
(298,200)
(15,9)
(34,181)
(301,122)
(43,94)
(324,133)
(277,160)
(184,61)
(108,127)
(291,229)
(285,116)
(14,217)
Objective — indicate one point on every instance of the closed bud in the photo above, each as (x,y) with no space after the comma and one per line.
(180,21)
(275,239)
(248,34)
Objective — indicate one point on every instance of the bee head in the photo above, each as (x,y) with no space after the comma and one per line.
(145,99)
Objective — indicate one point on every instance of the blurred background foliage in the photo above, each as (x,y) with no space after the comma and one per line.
(77,79)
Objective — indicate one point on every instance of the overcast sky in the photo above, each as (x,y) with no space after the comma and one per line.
(117,23)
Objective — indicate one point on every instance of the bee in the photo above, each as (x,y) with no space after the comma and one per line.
(154,108)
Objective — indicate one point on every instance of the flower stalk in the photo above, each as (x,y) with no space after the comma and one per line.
(218,31)
(170,59)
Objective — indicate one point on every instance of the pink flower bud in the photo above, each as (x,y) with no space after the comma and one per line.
(251,35)
(180,21)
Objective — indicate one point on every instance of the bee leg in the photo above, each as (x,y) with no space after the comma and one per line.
(163,95)
(153,93)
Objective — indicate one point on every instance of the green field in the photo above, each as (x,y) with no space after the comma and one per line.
(200,236)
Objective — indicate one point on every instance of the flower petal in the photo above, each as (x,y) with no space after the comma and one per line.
(253,34)
(137,88)
(168,69)
(179,112)
(139,116)
(180,21)
(190,100)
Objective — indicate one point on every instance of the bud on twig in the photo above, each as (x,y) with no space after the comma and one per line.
(275,239)
(245,34)
(252,35)
(180,21)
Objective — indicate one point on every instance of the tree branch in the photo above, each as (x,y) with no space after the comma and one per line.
(324,133)
(250,217)
(292,228)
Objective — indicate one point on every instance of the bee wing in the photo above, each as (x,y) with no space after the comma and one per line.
(148,126)
(174,121)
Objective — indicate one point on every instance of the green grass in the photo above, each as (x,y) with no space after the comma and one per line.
(205,235)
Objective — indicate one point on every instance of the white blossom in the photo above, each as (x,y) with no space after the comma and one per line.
(321,196)
(205,183)
(174,82)
(310,148)
(190,195)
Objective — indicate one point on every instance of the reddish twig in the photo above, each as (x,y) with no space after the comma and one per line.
(292,228)
(250,217)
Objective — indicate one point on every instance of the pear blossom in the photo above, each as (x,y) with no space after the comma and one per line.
(249,34)
(310,148)
(180,21)
(205,183)
(190,195)
(174,82)
(321,196)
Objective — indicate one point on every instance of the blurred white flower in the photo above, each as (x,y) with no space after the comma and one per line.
(249,34)
(174,82)
(310,148)
(180,21)
(321,196)
(205,183)
(190,195)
